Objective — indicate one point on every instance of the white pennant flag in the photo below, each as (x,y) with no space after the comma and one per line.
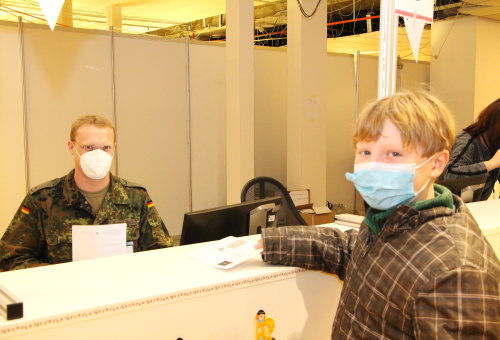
(416,14)
(51,10)
(414,29)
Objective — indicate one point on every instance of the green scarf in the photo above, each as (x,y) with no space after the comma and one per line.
(375,219)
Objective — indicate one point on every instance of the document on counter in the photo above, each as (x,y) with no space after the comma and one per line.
(226,253)
(349,220)
(92,241)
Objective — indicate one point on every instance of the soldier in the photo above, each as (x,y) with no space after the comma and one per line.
(41,231)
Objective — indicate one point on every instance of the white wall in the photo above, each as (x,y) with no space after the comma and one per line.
(208,126)
(414,76)
(464,67)
(68,74)
(151,121)
(487,78)
(341,94)
(270,112)
(453,47)
(12,165)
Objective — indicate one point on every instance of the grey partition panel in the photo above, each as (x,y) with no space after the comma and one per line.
(151,118)
(271,113)
(68,74)
(341,105)
(12,174)
(208,125)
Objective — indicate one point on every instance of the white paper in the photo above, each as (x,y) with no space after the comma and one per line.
(299,197)
(226,253)
(92,241)
(347,224)
(349,218)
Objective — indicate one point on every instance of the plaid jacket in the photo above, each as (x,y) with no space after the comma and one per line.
(429,274)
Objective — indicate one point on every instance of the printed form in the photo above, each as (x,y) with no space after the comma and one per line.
(226,253)
(93,241)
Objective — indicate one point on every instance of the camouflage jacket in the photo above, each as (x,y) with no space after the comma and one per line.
(40,232)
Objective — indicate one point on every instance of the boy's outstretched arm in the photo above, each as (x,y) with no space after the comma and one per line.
(316,248)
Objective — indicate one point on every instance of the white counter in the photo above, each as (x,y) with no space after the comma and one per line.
(487,215)
(166,294)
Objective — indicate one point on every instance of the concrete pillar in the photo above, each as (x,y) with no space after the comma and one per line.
(464,65)
(306,116)
(239,96)
(388,44)
(114,17)
(66,15)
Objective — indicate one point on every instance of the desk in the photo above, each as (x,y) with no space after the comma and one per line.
(164,294)
(487,215)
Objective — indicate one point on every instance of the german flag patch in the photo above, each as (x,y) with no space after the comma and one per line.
(25,210)
(150,204)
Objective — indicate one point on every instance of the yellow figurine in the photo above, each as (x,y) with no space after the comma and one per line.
(264,327)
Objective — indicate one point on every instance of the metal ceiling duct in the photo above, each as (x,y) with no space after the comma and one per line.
(271,19)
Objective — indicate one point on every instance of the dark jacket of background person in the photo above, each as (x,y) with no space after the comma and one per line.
(477,149)
(467,159)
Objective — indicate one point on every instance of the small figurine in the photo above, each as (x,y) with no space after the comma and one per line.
(264,326)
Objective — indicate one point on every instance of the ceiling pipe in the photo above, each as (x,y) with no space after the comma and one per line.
(285,31)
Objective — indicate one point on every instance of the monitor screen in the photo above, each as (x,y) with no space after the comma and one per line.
(214,224)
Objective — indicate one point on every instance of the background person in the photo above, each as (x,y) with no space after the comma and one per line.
(41,231)
(477,150)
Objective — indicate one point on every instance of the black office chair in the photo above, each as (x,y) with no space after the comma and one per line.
(263,187)
(469,189)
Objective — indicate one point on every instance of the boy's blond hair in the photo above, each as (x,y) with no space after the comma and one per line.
(98,121)
(423,120)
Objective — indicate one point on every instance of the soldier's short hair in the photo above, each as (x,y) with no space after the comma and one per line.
(424,122)
(96,120)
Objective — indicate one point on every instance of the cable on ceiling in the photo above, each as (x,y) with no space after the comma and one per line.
(3,10)
(304,12)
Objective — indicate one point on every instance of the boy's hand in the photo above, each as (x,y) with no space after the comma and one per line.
(494,162)
(259,244)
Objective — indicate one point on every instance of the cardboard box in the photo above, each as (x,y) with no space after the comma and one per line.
(315,219)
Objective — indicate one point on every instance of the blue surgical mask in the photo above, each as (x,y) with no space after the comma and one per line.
(383,185)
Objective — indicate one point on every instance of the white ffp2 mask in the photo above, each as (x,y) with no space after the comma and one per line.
(95,164)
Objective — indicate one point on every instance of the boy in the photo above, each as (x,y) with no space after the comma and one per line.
(419,268)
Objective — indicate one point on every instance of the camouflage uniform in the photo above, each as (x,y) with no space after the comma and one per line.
(40,232)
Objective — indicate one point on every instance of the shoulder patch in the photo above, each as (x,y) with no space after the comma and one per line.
(46,185)
(132,184)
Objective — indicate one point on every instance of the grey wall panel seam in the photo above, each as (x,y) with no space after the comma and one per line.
(25,108)
(113,91)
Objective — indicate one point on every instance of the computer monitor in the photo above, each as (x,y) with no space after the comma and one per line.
(469,189)
(214,224)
